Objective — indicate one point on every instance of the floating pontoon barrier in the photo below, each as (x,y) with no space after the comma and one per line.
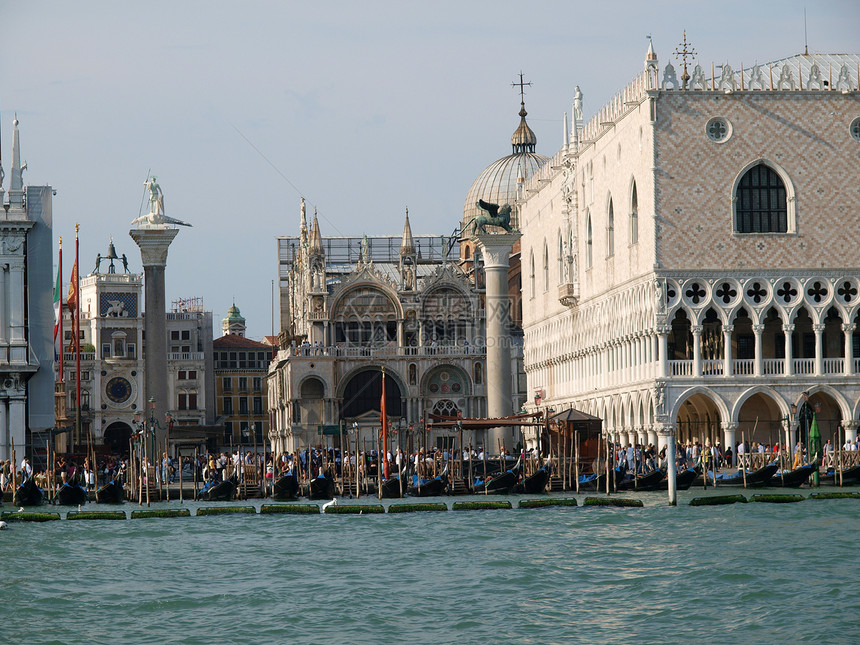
(417,508)
(836,495)
(96,515)
(295,509)
(718,500)
(777,499)
(29,517)
(354,509)
(225,510)
(480,506)
(168,512)
(540,503)
(613,501)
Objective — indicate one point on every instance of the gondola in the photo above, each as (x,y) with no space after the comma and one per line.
(391,488)
(500,484)
(286,487)
(221,492)
(793,478)
(593,482)
(111,493)
(755,479)
(648,481)
(850,476)
(430,487)
(71,495)
(683,480)
(322,487)
(28,494)
(535,483)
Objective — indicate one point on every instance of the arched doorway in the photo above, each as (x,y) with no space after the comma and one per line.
(698,421)
(116,438)
(312,403)
(825,410)
(760,421)
(363,393)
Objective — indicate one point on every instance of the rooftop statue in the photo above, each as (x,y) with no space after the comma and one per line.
(496,216)
(156,216)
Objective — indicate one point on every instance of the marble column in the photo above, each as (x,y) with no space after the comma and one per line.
(668,433)
(727,350)
(850,429)
(818,328)
(154,243)
(788,330)
(697,349)
(729,431)
(663,340)
(759,358)
(848,366)
(496,250)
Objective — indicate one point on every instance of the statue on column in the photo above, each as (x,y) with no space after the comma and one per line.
(496,216)
(156,216)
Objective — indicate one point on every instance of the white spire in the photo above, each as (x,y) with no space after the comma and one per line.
(16,182)
(303,227)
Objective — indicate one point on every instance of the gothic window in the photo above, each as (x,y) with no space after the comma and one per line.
(634,216)
(532,274)
(588,243)
(479,372)
(761,205)
(560,260)
(610,231)
(545,267)
(446,408)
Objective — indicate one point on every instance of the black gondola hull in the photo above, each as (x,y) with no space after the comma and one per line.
(110,493)
(793,478)
(286,487)
(648,481)
(222,492)
(321,488)
(432,488)
(683,480)
(71,495)
(28,494)
(534,484)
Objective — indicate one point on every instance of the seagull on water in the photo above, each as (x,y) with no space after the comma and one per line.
(21,510)
(333,502)
(2,525)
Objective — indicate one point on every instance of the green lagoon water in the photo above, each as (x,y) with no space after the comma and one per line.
(746,573)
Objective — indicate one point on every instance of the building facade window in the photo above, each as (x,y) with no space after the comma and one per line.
(258,405)
(545,267)
(228,405)
(588,242)
(761,202)
(227,384)
(634,216)
(532,274)
(610,231)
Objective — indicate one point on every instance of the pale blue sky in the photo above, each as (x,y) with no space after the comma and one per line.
(365,107)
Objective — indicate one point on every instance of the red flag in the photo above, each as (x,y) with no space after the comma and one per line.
(386,471)
(72,301)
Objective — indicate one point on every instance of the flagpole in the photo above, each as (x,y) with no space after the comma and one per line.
(384,423)
(77,338)
(60,316)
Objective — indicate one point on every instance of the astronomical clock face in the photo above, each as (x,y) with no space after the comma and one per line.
(118,389)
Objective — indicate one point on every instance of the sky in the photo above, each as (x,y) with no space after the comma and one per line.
(364,108)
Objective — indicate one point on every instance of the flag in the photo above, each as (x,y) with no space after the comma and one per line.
(72,300)
(384,422)
(73,286)
(58,302)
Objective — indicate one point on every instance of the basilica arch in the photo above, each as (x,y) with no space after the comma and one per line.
(361,392)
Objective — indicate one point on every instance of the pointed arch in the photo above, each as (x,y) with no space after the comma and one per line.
(634,214)
(610,229)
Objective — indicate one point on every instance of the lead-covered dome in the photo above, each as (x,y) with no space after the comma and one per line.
(498,181)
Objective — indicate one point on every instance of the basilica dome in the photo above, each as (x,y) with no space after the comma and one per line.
(498,182)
